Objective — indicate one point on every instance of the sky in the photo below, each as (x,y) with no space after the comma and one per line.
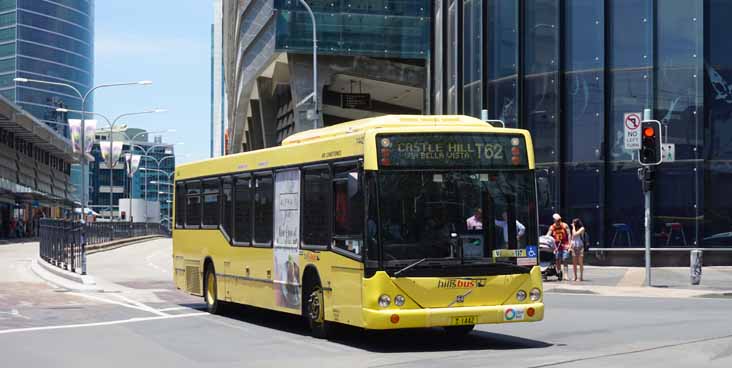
(167,42)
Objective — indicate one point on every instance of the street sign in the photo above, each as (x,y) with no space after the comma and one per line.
(631,125)
(668,152)
(356,100)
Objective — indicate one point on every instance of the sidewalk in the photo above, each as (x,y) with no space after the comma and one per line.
(630,281)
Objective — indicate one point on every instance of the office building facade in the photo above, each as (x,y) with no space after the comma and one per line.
(147,182)
(578,74)
(372,60)
(48,40)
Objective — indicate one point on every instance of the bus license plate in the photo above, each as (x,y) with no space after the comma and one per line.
(464,320)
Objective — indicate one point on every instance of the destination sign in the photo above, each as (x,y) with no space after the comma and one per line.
(452,150)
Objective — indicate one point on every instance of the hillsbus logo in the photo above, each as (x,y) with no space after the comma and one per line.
(459,284)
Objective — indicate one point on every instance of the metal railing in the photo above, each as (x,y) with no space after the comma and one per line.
(63,242)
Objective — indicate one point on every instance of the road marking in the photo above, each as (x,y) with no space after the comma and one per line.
(141,305)
(108,323)
(110,301)
(173,309)
(153,265)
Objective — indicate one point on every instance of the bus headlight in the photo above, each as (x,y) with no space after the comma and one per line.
(384,301)
(399,300)
(521,295)
(535,294)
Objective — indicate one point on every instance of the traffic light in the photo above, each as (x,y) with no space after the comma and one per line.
(650,151)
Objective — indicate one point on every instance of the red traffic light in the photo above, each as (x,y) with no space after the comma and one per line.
(649,132)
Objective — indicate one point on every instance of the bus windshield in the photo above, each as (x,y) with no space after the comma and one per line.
(454,215)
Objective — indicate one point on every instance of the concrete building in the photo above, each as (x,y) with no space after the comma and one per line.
(145,185)
(50,40)
(35,163)
(372,60)
(218,117)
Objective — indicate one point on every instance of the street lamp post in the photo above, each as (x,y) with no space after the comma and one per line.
(315,65)
(82,159)
(112,163)
(157,182)
(158,162)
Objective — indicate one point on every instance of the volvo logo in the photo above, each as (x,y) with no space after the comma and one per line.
(460,298)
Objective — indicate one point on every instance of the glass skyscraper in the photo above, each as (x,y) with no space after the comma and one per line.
(50,40)
(570,71)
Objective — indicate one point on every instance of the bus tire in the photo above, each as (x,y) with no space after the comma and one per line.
(458,331)
(210,289)
(315,312)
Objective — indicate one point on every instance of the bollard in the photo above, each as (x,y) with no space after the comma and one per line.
(695,266)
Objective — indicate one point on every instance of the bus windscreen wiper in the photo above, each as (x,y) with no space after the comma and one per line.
(409,266)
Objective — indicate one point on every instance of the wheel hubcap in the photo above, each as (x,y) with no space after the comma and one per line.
(315,309)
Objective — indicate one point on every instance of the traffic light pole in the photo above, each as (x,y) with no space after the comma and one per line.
(647,187)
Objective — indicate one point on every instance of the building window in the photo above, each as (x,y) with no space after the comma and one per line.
(472,57)
(315,208)
(348,209)
(263,209)
(211,202)
(193,203)
(242,211)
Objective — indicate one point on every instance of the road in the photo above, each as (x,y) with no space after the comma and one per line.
(140,320)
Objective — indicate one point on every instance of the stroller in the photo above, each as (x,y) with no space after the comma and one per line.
(547,258)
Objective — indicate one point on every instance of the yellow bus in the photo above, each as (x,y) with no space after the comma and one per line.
(382,223)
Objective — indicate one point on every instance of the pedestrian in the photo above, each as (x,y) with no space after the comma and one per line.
(13,226)
(560,232)
(579,235)
(475,222)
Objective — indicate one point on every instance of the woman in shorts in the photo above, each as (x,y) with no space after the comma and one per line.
(578,248)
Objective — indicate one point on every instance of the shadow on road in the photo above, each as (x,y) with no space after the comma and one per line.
(399,341)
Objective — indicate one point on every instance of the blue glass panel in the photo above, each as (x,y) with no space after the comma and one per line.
(584,88)
(55,55)
(472,57)
(66,43)
(398,28)
(53,25)
(53,70)
(57,11)
(7,19)
(502,61)
(7,34)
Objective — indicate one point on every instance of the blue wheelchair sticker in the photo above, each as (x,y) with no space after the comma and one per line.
(532,251)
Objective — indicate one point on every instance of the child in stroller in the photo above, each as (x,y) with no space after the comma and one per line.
(547,258)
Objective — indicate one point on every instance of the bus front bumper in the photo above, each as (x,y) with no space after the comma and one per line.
(383,319)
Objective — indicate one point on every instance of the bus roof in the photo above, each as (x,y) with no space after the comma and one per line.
(385,121)
(340,139)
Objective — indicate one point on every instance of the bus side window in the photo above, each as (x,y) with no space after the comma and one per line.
(211,203)
(180,205)
(263,210)
(315,209)
(348,209)
(227,199)
(193,204)
(242,211)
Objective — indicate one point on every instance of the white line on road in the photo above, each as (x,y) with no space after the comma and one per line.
(153,265)
(110,301)
(141,305)
(173,309)
(108,323)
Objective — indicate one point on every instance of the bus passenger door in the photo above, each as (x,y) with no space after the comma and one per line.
(347,243)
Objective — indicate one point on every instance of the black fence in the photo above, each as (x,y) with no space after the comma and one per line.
(63,242)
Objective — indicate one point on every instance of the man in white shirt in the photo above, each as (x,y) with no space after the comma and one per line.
(503,224)
(475,222)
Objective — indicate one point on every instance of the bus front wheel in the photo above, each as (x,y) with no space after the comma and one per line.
(210,289)
(315,312)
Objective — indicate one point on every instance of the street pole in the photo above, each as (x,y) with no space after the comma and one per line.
(315,63)
(648,176)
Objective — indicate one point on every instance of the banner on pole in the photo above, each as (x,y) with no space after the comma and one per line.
(75,128)
(90,129)
(104,147)
(134,164)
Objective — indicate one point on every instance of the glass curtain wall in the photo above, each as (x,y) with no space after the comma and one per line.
(570,71)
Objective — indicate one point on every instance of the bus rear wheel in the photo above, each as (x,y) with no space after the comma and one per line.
(315,312)
(210,290)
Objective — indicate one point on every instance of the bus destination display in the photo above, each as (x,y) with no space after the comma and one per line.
(492,151)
